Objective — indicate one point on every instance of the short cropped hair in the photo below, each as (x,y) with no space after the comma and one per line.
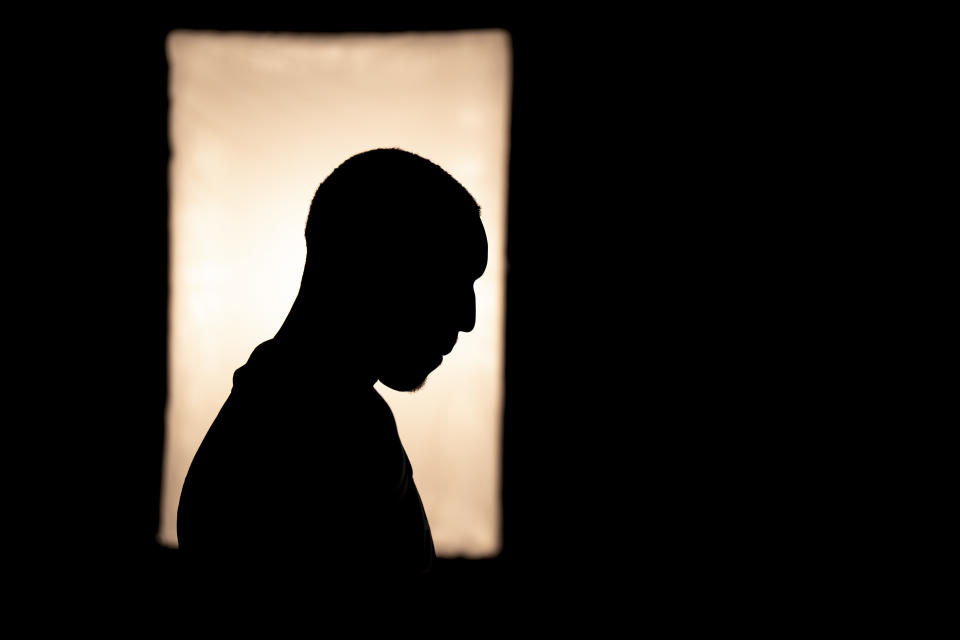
(381,201)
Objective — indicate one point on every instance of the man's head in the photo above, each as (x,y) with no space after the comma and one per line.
(395,243)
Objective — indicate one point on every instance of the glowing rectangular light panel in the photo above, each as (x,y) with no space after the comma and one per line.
(257,121)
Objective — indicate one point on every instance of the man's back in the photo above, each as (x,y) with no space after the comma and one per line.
(303,471)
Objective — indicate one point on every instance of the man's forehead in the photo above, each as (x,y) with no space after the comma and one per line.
(482,249)
(472,241)
(461,250)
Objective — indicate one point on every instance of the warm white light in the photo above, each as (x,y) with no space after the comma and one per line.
(257,121)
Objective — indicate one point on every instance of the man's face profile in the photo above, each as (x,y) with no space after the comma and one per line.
(400,243)
(428,307)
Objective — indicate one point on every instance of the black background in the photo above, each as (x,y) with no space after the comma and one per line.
(634,402)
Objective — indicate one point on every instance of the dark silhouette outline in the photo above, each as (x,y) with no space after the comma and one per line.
(303,469)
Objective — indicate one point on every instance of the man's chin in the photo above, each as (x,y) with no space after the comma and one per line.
(411,377)
(404,383)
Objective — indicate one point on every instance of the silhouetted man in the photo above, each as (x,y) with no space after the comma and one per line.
(303,471)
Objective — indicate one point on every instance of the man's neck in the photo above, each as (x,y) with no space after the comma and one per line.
(328,348)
